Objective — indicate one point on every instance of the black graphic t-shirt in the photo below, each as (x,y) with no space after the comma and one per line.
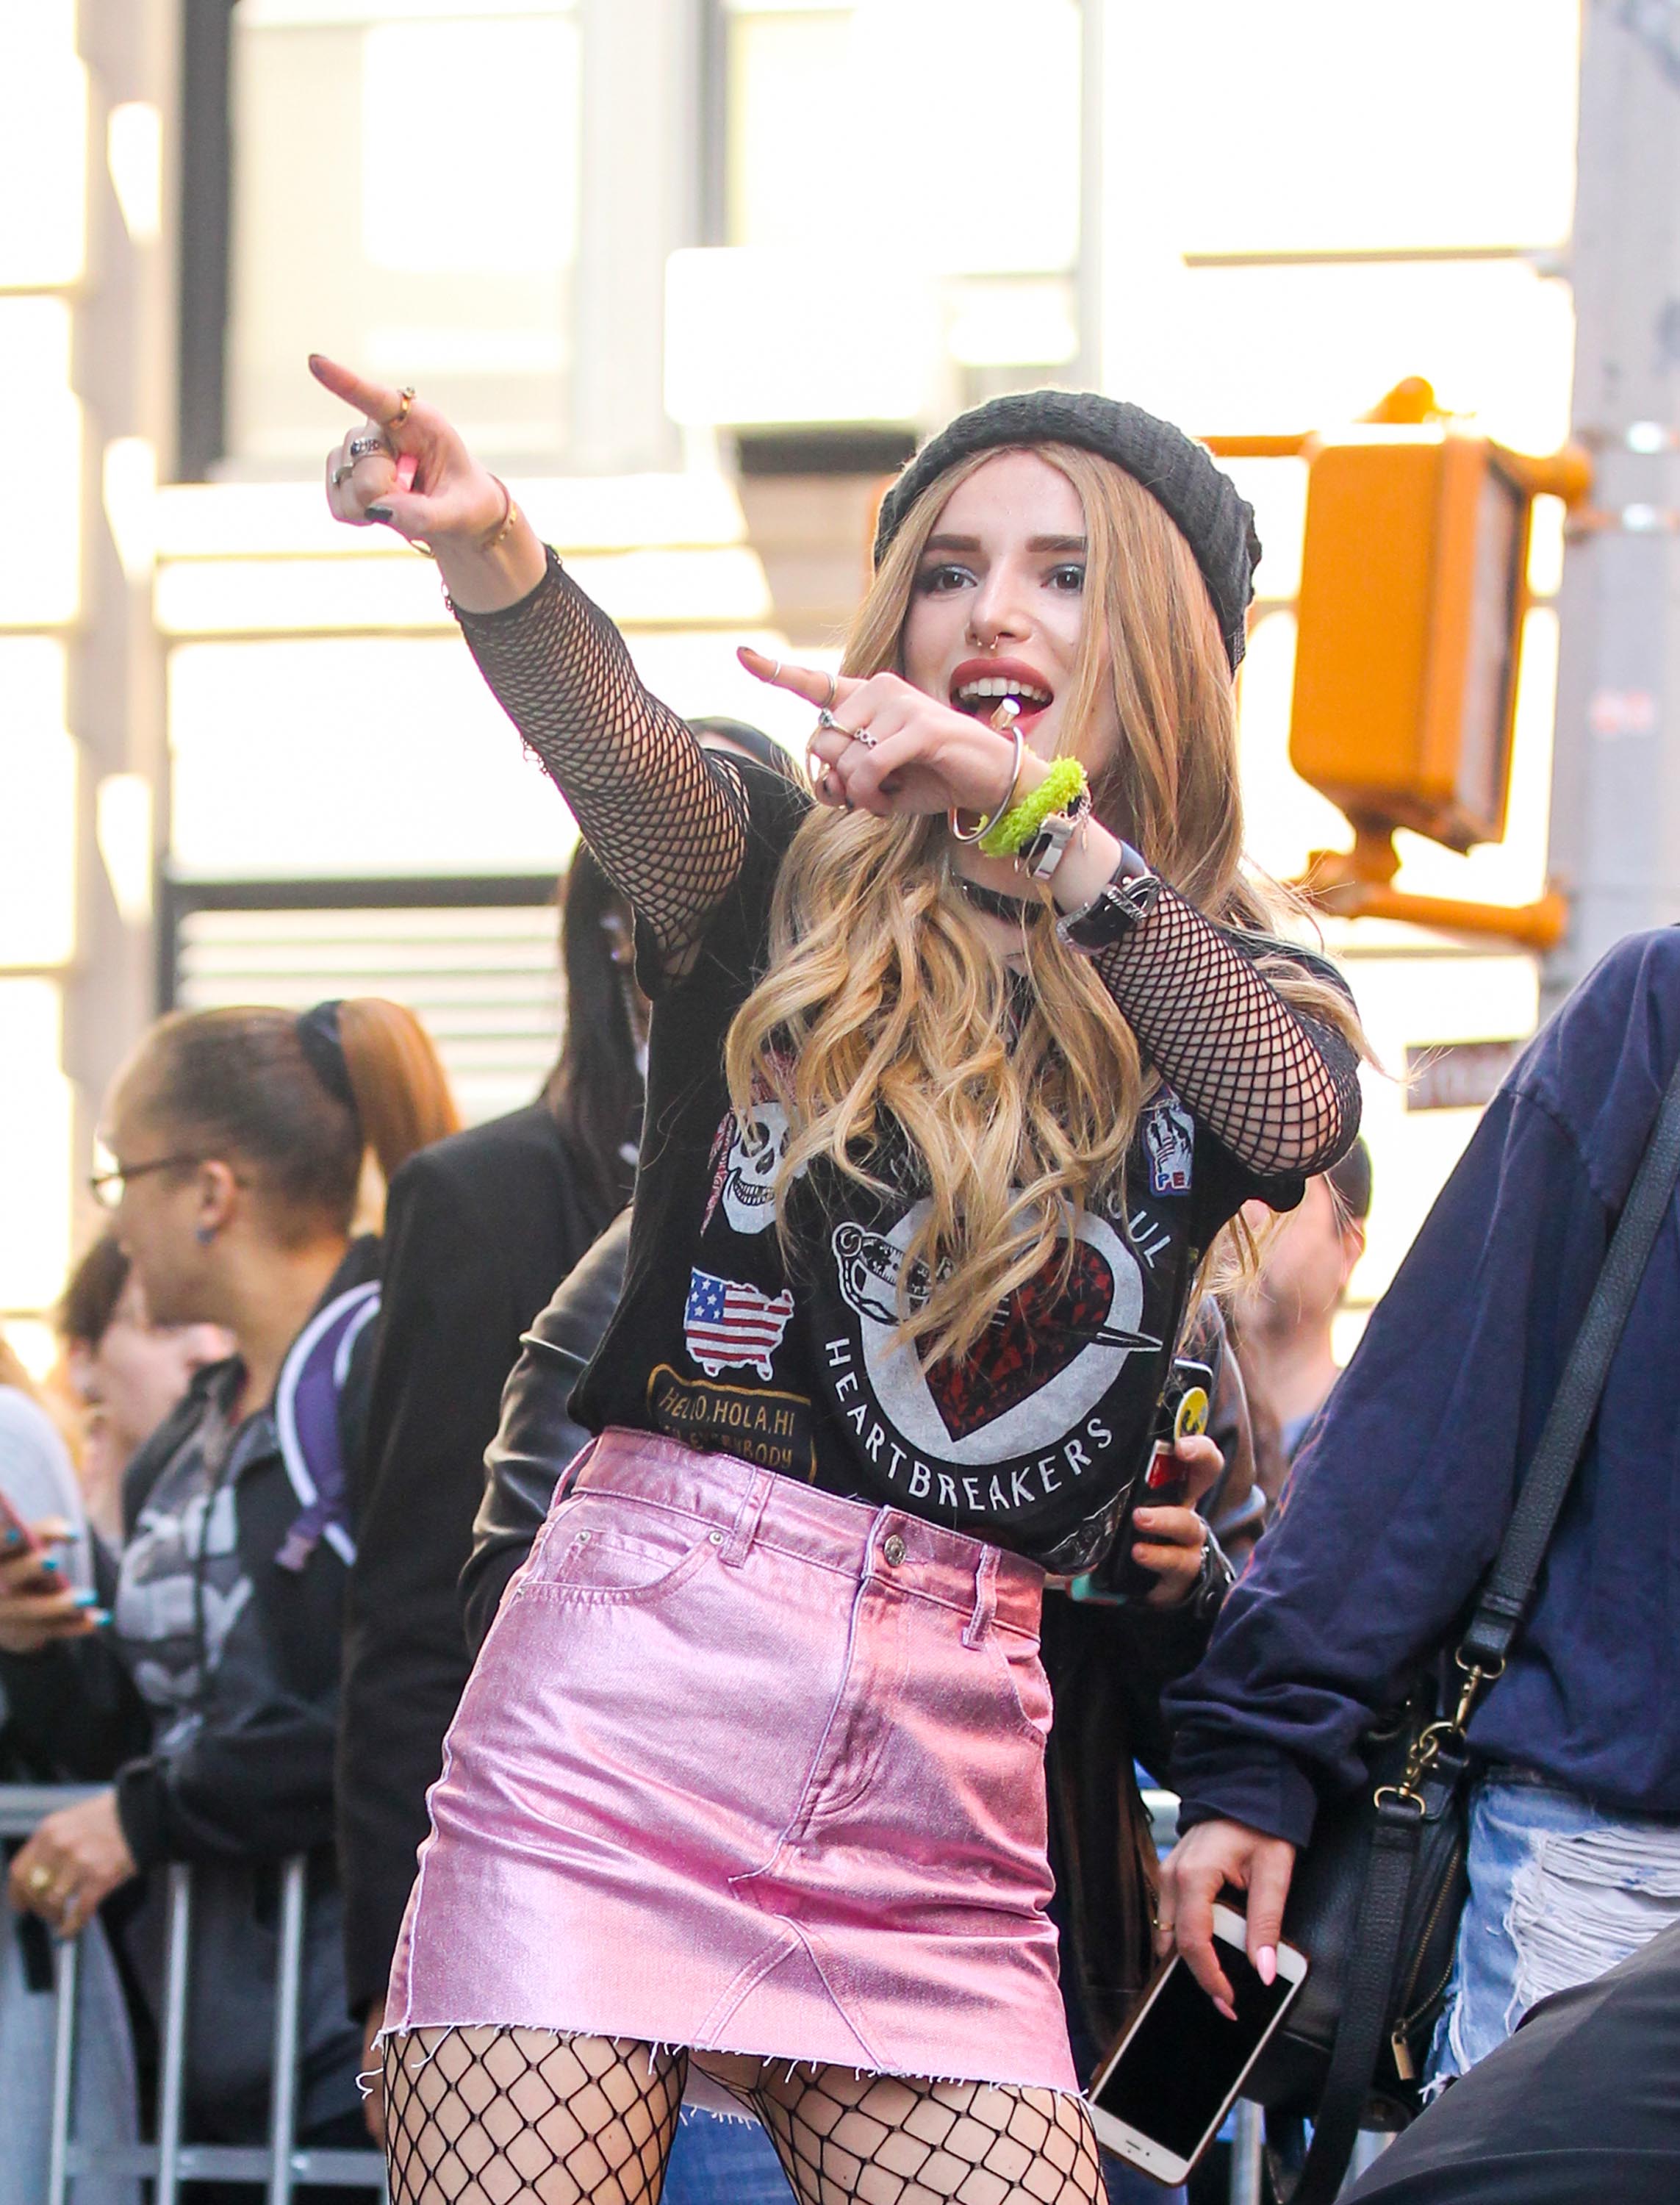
(1030,1442)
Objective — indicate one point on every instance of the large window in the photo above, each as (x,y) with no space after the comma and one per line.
(905,160)
(405,196)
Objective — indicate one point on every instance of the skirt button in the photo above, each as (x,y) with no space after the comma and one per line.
(893,1550)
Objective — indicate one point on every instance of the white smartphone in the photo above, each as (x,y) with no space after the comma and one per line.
(1170,2080)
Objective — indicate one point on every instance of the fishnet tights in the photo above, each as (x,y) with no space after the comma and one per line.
(521,2117)
(877,2140)
(670,825)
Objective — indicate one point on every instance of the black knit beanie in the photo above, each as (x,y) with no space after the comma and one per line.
(1200,498)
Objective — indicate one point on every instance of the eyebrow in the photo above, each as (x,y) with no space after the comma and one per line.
(1034,544)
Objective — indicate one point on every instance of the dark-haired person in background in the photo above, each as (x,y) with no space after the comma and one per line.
(480,1232)
(239,1138)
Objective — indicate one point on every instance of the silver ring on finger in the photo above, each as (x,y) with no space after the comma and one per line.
(826,724)
(833,693)
(364,447)
(342,473)
(862,735)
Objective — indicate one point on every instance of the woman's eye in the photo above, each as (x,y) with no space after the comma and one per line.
(1071,578)
(932,580)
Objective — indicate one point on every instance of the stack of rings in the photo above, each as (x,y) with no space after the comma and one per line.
(360,447)
(816,769)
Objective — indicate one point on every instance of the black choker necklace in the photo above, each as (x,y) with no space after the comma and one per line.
(1013,910)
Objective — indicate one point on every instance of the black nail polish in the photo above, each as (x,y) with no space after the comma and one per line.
(378,512)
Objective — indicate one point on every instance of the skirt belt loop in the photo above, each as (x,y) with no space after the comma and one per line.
(747,1516)
(985,1598)
(568,1481)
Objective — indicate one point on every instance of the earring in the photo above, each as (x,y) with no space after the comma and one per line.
(204,1234)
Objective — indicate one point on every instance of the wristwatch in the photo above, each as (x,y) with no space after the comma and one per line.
(1123,903)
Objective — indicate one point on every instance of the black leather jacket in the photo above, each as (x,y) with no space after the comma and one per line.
(538,1438)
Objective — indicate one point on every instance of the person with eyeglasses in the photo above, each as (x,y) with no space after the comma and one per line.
(208,1697)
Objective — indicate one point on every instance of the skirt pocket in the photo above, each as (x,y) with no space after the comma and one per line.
(610,1554)
(1027,1687)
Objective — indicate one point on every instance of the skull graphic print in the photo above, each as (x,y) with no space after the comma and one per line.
(745,1173)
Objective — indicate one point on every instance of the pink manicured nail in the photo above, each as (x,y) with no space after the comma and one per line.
(1265,1964)
(1221,2006)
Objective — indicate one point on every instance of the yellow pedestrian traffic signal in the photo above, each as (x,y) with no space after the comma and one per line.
(1414,585)
(1409,641)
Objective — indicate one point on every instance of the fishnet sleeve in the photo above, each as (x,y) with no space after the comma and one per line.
(1279,1090)
(668,827)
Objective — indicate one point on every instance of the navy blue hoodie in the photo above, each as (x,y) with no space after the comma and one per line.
(1397,1504)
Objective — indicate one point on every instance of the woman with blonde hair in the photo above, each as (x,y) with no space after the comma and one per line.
(951,1093)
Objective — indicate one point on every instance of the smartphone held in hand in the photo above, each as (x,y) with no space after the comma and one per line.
(1161,2097)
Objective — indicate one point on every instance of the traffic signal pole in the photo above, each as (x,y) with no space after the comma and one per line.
(1615,832)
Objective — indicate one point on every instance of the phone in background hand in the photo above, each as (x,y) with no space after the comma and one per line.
(1161,2097)
(1182,1410)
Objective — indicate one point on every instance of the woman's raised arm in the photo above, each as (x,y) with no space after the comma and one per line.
(667,823)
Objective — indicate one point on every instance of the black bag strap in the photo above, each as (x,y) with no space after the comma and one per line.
(1501,1607)
(1360,2028)
(1509,1586)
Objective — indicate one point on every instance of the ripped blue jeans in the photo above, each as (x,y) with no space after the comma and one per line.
(1560,1890)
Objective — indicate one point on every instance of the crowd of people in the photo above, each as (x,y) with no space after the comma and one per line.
(707,1519)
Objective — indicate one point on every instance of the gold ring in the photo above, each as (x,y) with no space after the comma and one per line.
(406,394)
(39,1879)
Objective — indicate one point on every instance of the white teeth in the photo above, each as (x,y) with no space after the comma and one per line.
(1002,685)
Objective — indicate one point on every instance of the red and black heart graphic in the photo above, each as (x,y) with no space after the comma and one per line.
(1036,1334)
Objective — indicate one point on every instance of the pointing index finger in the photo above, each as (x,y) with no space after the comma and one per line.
(376,399)
(806,681)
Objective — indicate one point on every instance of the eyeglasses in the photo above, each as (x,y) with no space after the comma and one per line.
(108,1188)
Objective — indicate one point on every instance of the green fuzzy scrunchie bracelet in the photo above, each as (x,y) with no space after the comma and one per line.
(1063,785)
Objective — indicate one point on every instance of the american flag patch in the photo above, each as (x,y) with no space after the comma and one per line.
(727,1323)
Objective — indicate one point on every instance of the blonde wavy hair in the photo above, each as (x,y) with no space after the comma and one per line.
(883,999)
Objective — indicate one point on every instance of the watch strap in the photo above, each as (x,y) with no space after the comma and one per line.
(1124,901)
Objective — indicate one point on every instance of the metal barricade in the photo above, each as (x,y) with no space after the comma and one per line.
(281,2166)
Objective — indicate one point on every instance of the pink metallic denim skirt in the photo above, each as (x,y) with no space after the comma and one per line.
(749,1769)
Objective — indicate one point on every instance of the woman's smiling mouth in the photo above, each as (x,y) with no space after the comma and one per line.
(979,685)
